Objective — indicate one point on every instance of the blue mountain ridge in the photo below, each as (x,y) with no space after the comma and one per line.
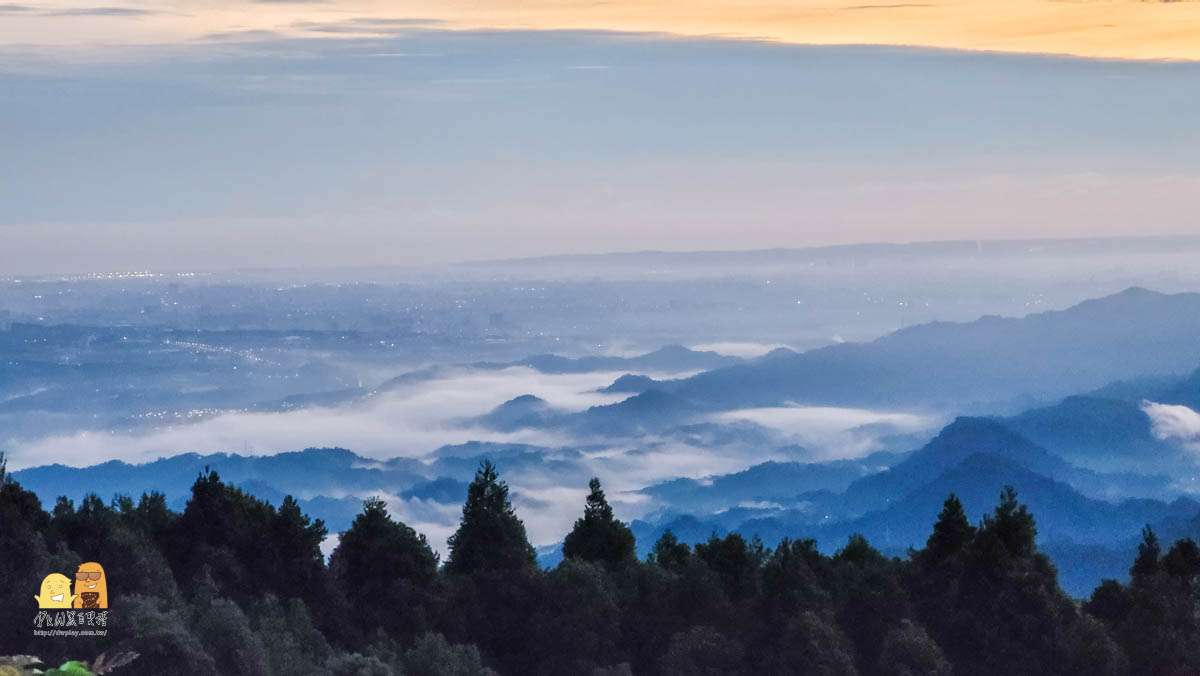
(973,366)
(973,458)
(1069,458)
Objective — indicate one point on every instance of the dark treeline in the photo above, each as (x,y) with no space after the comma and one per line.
(235,586)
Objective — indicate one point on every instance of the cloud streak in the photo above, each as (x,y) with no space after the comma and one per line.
(367,25)
(833,433)
(31,10)
(410,422)
(101,11)
(1174,422)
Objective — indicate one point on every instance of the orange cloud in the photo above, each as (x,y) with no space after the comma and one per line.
(1124,29)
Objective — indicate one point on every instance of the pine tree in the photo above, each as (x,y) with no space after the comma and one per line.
(734,562)
(599,537)
(296,541)
(378,549)
(385,571)
(669,553)
(951,533)
(1146,563)
(1013,525)
(490,535)
(1182,561)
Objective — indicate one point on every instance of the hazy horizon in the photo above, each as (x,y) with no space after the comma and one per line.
(682,251)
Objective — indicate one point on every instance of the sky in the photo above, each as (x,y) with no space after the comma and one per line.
(1130,29)
(217,135)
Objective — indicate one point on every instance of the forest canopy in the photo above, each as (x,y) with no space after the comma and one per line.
(235,585)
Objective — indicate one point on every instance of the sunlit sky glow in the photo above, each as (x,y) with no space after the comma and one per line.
(1117,29)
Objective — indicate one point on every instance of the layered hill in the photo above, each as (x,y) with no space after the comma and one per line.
(990,363)
(1080,512)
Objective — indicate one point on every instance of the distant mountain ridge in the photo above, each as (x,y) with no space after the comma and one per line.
(1080,461)
(631,384)
(526,410)
(977,365)
(1108,429)
(966,437)
(1014,248)
(666,359)
(766,482)
(310,471)
(652,410)
(1081,513)
(989,364)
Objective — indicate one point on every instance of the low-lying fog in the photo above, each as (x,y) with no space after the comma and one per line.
(416,419)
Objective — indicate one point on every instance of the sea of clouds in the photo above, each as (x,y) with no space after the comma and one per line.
(415,420)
